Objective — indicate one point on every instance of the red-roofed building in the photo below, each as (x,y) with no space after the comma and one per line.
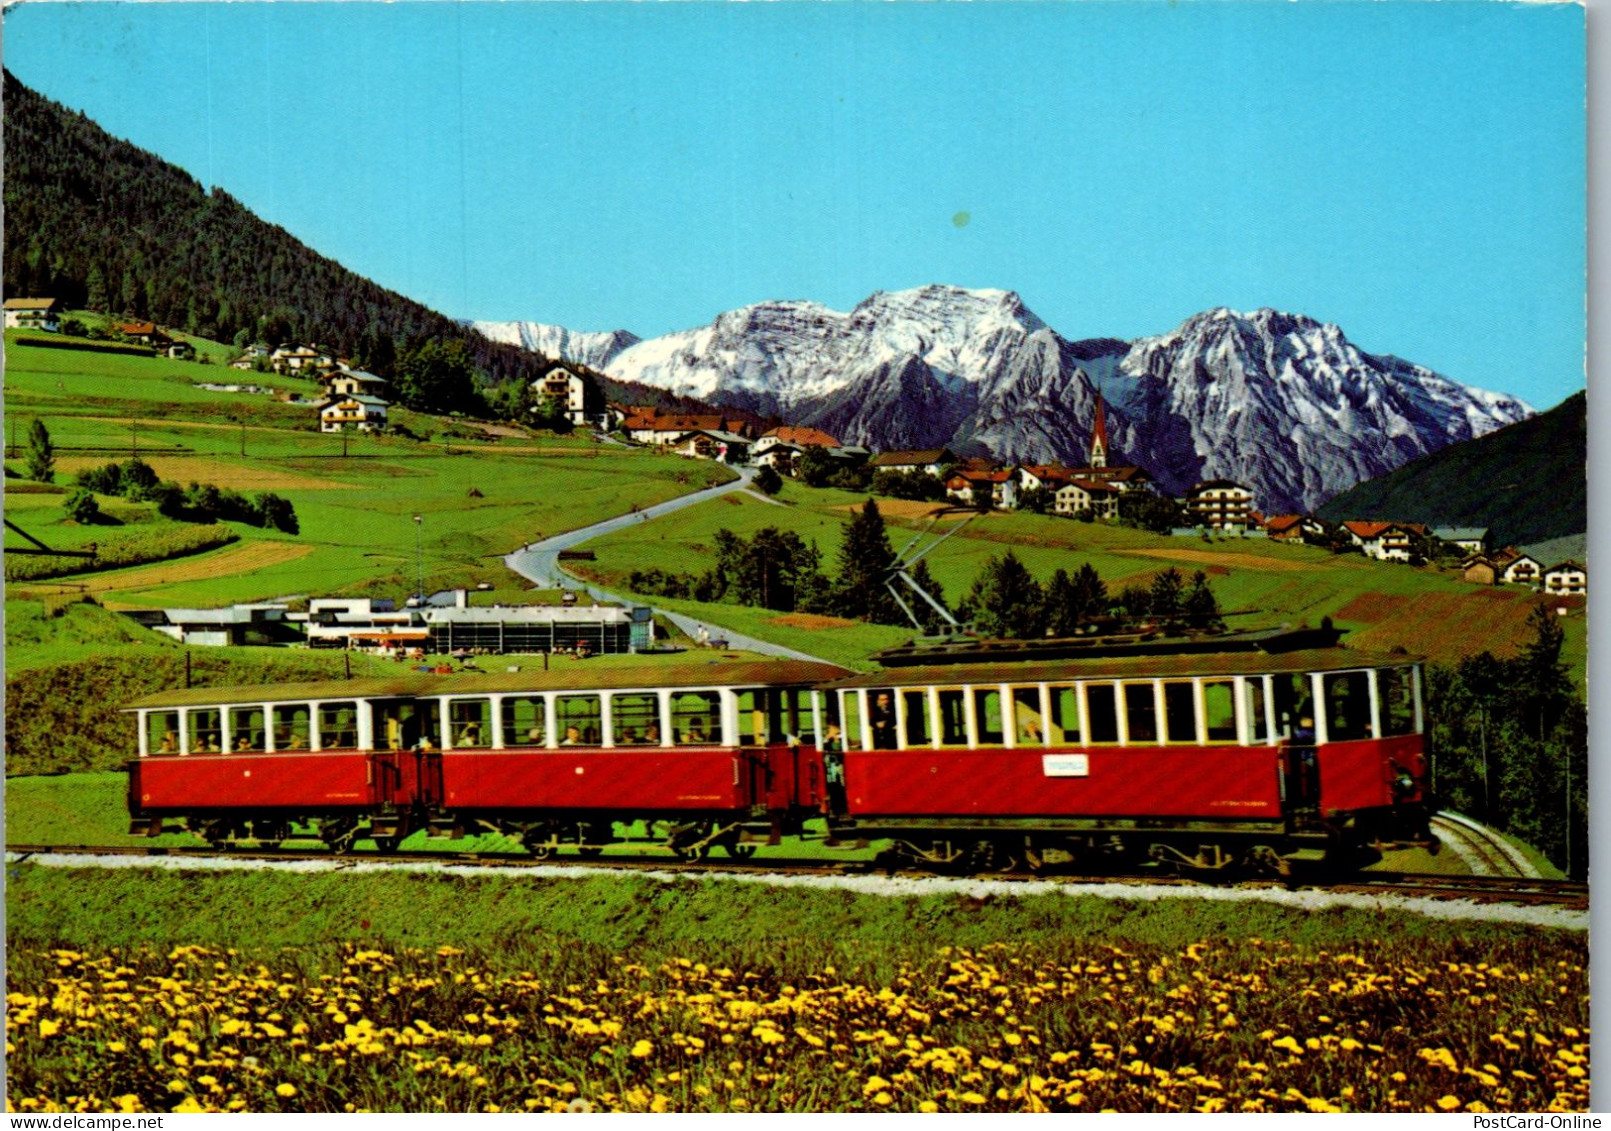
(967,486)
(1079,495)
(799,437)
(1384,541)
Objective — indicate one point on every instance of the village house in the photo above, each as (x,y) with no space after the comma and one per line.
(1293,527)
(1384,541)
(1044,477)
(1567,578)
(967,487)
(352,400)
(1479,570)
(585,405)
(1471,539)
(714,443)
(1101,499)
(930,461)
(294,358)
(33,314)
(659,428)
(1517,568)
(797,438)
(1220,504)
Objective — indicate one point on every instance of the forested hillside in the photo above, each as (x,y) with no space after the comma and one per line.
(100,223)
(1526,482)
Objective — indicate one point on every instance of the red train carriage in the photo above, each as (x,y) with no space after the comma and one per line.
(1197,758)
(551,758)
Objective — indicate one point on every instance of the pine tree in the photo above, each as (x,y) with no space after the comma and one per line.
(1006,600)
(1201,606)
(1164,595)
(41,453)
(865,558)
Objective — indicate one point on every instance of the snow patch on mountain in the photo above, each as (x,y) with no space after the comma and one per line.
(594,349)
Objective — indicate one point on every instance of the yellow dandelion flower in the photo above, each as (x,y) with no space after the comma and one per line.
(1448,1103)
(285,1091)
(642,1049)
(928,1107)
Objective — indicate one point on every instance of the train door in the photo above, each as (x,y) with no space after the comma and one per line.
(1293,699)
(773,726)
(408,763)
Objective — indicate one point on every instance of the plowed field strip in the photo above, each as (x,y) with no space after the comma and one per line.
(237,559)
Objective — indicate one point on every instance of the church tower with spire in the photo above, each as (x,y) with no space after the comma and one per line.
(1099,436)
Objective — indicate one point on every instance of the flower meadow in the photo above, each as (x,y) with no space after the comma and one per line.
(1072,1023)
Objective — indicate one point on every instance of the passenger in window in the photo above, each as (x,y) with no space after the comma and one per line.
(651,736)
(243,744)
(534,736)
(573,736)
(883,721)
(629,736)
(696,732)
(170,743)
(470,735)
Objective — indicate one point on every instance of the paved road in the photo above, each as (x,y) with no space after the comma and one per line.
(539,563)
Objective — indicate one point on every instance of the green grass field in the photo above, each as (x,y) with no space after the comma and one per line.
(1384,605)
(479,496)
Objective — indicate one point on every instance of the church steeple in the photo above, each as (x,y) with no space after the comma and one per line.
(1099,436)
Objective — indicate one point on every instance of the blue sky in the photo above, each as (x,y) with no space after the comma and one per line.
(1413,172)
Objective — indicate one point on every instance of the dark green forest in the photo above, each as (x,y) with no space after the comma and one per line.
(102,224)
(1525,482)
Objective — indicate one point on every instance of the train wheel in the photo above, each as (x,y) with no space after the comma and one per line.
(990,856)
(385,845)
(740,851)
(541,850)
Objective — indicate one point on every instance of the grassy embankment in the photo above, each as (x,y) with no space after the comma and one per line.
(472,994)
(1384,605)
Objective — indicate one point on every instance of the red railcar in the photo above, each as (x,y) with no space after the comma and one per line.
(549,757)
(1268,748)
(1254,747)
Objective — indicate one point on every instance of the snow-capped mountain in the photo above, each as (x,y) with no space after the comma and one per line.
(594,349)
(1280,402)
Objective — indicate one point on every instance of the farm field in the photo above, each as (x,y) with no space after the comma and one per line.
(355,501)
(1384,605)
(387,992)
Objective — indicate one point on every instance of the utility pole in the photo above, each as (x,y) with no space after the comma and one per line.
(419,554)
(243,437)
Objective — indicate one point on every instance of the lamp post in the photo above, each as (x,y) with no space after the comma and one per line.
(419,555)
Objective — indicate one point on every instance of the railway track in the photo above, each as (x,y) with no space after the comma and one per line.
(1481,849)
(1527,891)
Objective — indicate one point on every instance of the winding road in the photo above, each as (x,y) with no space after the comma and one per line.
(539,564)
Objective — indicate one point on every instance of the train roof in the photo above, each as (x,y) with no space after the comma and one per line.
(1146,666)
(693,670)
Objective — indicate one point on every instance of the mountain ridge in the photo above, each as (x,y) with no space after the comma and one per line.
(1278,400)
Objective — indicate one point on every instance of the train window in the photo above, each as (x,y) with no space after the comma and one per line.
(802,716)
(206,733)
(696,718)
(987,716)
(162,732)
(1101,713)
(1029,729)
(246,729)
(953,717)
(470,723)
(1140,713)
(751,719)
(881,717)
(578,719)
(405,723)
(1180,711)
(1294,710)
(635,719)
(917,717)
(1219,710)
(338,726)
(1396,689)
(291,727)
(851,705)
(525,721)
(1347,706)
(1256,728)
